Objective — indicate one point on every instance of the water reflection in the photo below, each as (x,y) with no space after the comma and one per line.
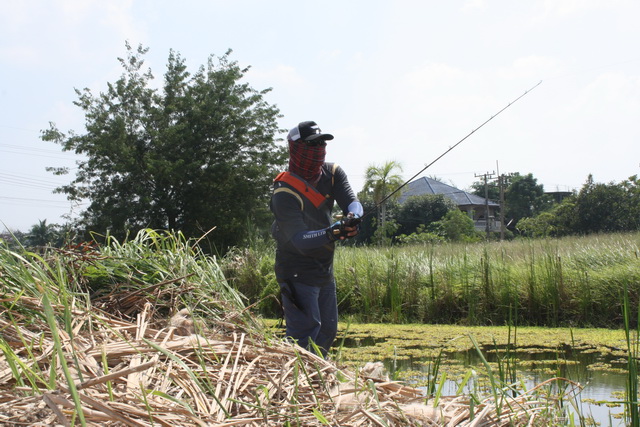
(600,372)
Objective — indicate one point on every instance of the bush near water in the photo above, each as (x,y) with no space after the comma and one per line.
(570,281)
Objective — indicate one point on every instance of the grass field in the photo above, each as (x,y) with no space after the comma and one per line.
(573,281)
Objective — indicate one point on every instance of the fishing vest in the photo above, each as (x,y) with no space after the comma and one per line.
(302,187)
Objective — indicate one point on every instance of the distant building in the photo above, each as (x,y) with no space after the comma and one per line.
(474,206)
(559,196)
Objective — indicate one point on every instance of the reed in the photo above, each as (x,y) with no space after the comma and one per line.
(86,337)
(573,281)
(433,370)
(633,352)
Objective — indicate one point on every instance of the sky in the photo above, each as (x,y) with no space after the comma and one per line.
(391,80)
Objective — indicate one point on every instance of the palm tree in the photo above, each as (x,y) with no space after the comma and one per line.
(380,182)
(41,234)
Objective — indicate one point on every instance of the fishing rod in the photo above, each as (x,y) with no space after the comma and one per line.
(350,222)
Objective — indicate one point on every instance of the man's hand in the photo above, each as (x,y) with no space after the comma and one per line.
(352,220)
(345,228)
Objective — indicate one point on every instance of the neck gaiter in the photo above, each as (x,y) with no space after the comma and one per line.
(306,161)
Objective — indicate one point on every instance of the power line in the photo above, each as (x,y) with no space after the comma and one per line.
(25,178)
(17,128)
(23,181)
(26,201)
(27,148)
(12,151)
(27,185)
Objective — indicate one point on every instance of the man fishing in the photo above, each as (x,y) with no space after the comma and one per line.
(302,202)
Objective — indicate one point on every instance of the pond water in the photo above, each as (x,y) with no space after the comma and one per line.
(599,371)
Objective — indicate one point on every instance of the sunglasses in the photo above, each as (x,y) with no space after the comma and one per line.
(316,143)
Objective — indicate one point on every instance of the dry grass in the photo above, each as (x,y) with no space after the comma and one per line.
(144,373)
(114,358)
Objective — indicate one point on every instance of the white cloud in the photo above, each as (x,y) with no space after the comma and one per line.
(20,55)
(63,30)
(14,14)
(284,77)
(610,92)
(569,7)
(438,96)
(329,55)
(119,16)
(433,75)
(532,67)
(75,11)
(472,5)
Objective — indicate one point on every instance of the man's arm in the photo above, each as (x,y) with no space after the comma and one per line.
(292,228)
(344,194)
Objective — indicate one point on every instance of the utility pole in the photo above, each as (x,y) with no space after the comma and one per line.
(501,183)
(502,180)
(501,186)
(485,177)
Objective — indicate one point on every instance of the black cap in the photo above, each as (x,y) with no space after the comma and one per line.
(308,131)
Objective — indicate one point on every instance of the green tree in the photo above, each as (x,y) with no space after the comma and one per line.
(421,236)
(380,182)
(596,208)
(631,202)
(195,154)
(493,189)
(457,226)
(383,235)
(560,220)
(565,219)
(525,197)
(422,210)
(602,207)
(538,226)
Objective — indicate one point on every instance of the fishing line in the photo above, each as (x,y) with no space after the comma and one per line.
(448,150)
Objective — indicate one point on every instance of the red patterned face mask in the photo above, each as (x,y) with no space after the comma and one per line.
(306,160)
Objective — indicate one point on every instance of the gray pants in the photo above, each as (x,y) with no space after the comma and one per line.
(311,314)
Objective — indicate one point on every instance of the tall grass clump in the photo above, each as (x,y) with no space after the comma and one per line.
(161,269)
(250,271)
(165,269)
(51,301)
(572,281)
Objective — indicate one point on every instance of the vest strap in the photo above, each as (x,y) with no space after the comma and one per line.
(290,191)
(302,187)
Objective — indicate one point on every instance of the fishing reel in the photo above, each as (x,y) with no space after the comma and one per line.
(338,229)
